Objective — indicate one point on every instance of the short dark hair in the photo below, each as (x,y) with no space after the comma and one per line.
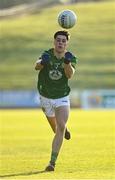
(64,33)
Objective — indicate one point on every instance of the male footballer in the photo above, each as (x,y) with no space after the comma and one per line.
(56,66)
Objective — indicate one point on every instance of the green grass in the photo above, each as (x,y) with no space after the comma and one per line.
(92,39)
(26,144)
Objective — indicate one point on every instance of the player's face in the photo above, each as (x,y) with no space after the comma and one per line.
(60,43)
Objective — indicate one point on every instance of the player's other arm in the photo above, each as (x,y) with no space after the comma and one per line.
(68,68)
(43,61)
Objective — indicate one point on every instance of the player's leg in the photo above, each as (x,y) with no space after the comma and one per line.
(52,122)
(61,114)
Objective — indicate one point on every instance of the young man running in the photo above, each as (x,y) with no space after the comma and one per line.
(56,66)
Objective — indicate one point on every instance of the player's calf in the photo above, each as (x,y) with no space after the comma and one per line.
(67,135)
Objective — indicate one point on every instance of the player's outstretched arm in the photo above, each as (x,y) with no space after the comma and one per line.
(68,68)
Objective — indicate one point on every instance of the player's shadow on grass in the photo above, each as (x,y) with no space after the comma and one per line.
(22,174)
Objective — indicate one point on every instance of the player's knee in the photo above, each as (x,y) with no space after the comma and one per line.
(62,127)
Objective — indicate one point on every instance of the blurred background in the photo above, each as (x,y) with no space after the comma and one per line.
(27,28)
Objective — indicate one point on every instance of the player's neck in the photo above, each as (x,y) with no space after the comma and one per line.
(59,55)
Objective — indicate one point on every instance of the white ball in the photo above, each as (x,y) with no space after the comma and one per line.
(67,19)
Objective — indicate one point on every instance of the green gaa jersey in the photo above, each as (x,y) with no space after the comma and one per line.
(52,81)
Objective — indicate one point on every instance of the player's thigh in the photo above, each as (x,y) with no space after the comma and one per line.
(62,115)
(52,122)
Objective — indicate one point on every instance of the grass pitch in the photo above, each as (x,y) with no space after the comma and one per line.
(25,145)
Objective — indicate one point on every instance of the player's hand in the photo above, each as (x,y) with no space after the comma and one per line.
(68,57)
(45,58)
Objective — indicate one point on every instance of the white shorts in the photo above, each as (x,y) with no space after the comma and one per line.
(49,105)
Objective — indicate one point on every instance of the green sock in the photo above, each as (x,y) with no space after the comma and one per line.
(53,157)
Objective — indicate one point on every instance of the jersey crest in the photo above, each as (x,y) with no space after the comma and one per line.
(55,73)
